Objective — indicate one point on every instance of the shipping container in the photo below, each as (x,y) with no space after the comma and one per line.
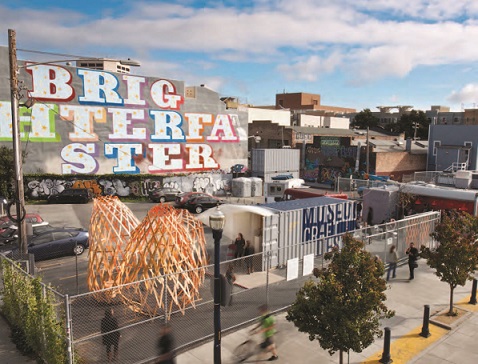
(303,225)
(384,202)
(274,161)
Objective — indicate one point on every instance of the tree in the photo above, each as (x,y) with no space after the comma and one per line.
(413,124)
(456,257)
(364,119)
(343,307)
(7,172)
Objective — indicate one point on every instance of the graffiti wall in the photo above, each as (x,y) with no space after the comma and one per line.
(213,183)
(329,158)
(86,121)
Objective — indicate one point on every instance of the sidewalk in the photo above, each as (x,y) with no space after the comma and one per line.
(407,298)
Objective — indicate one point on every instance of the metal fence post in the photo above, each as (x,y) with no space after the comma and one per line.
(426,320)
(473,293)
(165,295)
(68,330)
(268,264)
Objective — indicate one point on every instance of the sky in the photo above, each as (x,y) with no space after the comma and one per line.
(354,53)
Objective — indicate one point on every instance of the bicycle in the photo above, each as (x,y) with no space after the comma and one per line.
(248,348)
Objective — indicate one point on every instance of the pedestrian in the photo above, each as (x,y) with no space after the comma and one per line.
(230,278)
(111,334)
(248,252)
(359,211)
(412,253)
(267,328)
(392,259)
(240,243)
(166,351)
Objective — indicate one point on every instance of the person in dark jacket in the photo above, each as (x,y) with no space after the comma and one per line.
(111,334)
(240,243)
(412,253)
(166,351)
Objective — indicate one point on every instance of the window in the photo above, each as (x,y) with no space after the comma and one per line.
(42,239)
(436,145)
(60,235)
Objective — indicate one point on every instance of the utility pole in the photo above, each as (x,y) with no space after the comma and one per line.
(368,154)
(17,152)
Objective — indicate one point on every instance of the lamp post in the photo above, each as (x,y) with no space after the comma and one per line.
(217,220)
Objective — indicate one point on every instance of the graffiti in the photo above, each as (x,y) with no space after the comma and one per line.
(92,185)
(114,187)
(45,187)
(310,175)
(215,184)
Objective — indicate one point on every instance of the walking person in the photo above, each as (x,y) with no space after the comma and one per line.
(111,335)
(412,253)
(230,278)
(166,351)
(392,260)
(248,251)
(267,327)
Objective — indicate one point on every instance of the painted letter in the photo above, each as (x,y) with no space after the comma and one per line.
(196,125)
(198,151)
(121,123)
(79,157)
(164,95)
(82,117)
(50,83)
(223,130)
(133,85)
(161,153)
(124,154)
(164,120)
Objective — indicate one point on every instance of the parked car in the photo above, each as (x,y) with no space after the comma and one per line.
(200,203)
(10,235)
(56,243)
(164,194)
(186,196)
(5,221)
(72,195)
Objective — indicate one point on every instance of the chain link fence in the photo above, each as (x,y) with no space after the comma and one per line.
(256,282)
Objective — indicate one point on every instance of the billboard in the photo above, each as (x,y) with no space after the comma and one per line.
(87,121)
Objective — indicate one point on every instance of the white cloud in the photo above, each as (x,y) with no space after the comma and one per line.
(468,94)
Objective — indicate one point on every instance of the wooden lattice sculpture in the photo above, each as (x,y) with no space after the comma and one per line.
(167,243)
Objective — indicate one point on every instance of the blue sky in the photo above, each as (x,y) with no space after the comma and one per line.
(354,53)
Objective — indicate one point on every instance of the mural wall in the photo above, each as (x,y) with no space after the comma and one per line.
(329,158)
(95,122)
(124,186)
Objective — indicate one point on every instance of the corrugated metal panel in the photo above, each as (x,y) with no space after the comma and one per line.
(270,233)
(307,223)
(275,160)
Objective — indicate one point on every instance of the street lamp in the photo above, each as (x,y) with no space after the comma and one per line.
(17,157)
(217,220)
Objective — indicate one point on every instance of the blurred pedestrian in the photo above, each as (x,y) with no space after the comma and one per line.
(392,259)
(166,351)
(248,252)
(230,278)
(111,334)
(267,327)
(412,253)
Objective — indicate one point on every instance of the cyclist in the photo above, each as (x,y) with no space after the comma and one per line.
(267,327)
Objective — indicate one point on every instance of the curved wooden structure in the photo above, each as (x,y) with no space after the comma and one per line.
(152,266)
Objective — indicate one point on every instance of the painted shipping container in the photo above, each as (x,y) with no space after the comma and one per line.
(275,161)
(311,226)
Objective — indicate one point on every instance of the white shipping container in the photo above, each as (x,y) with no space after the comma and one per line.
(304,224)
(280,161)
